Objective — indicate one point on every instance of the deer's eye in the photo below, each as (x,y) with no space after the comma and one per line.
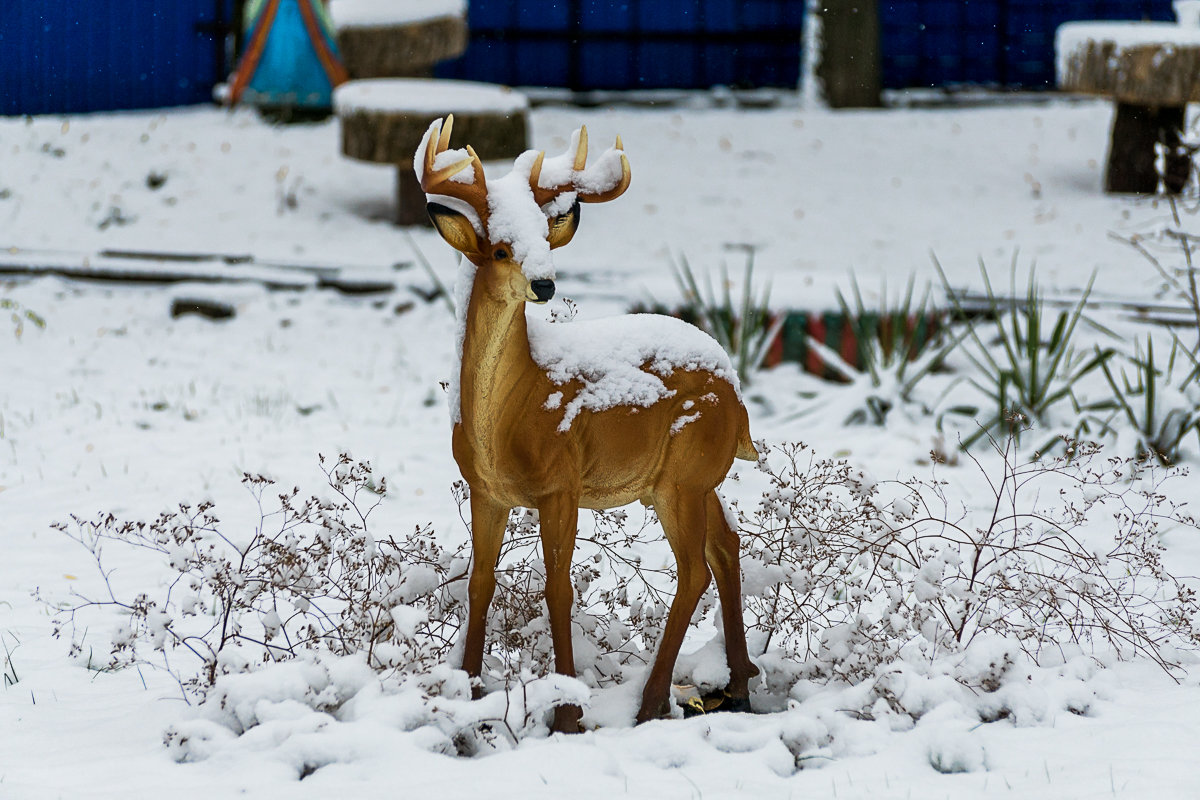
(500,254)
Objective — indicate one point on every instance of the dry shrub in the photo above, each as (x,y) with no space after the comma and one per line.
(843,577)
(843,573)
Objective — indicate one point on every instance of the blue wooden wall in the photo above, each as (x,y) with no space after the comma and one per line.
(59,56)
(630,44)
(633,44)
(1009,43)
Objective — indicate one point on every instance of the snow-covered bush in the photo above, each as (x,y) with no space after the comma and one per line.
(310,577)
(314,583)
(878,600)
(843,574)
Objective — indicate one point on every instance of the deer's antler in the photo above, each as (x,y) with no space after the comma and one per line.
(568,173)
(451,179)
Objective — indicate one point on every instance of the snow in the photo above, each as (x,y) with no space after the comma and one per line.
(426,96)
(114,406)
(514,218)
(1073,37)
(381,13)
(607,357)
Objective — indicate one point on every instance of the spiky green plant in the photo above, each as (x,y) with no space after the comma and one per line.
(896,349)
(1025,358)
(1160,405)
(745,328)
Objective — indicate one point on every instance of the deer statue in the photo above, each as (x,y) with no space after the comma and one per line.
(555,417)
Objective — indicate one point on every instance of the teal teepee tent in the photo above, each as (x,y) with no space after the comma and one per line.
(290,59)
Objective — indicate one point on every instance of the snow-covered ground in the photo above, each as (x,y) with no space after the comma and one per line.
(116,406)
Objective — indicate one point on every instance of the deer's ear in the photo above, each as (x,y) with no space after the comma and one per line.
(563,227)
(455,228)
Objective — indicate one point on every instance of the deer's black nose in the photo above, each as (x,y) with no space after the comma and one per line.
(544,289)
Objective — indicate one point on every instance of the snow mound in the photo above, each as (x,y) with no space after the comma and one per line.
(334,710)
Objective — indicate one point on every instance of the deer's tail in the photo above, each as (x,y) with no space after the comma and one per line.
(745,445)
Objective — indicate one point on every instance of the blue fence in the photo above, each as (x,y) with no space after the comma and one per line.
(630,44)
(59,56)
(1008,43)
(633,44)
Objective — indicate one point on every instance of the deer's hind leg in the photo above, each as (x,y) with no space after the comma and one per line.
(721,553)
(682,513)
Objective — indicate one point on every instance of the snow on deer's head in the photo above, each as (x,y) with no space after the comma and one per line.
(510,226)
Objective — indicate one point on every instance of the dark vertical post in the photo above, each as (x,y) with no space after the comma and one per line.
(1137,131)
(850,63)
(410,198)
(574,45)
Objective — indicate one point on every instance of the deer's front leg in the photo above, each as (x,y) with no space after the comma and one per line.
(488,522)
(559,516)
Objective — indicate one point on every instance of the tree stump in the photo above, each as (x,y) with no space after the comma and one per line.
(383,121)
(405,41)
(1152,71)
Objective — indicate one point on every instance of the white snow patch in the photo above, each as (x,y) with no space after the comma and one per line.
(385,13)
(426,96)
(514,217)
(602,175)
(621,361)
(681,422)
(462,299)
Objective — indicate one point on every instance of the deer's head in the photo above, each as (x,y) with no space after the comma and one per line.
(509,227)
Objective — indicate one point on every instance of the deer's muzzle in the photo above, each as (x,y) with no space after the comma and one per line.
(542,289)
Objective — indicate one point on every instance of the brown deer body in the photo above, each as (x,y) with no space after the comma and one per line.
(585,415)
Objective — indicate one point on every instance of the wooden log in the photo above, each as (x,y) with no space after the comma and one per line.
(849,66)
(1152,71)
(391,137)
(1161,74)
(401,51)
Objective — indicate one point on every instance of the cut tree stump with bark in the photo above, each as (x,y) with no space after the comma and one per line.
(403,40)
(1151,71)
(383,121)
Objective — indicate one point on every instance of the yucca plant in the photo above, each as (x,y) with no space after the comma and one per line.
(744,328)
(1161,405)
(897,345)
(1025,358)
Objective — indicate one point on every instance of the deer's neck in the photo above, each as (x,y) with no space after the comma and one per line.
(495,359)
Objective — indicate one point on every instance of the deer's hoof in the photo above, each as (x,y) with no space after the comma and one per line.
(713,702)
(662,711)
(566,719)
